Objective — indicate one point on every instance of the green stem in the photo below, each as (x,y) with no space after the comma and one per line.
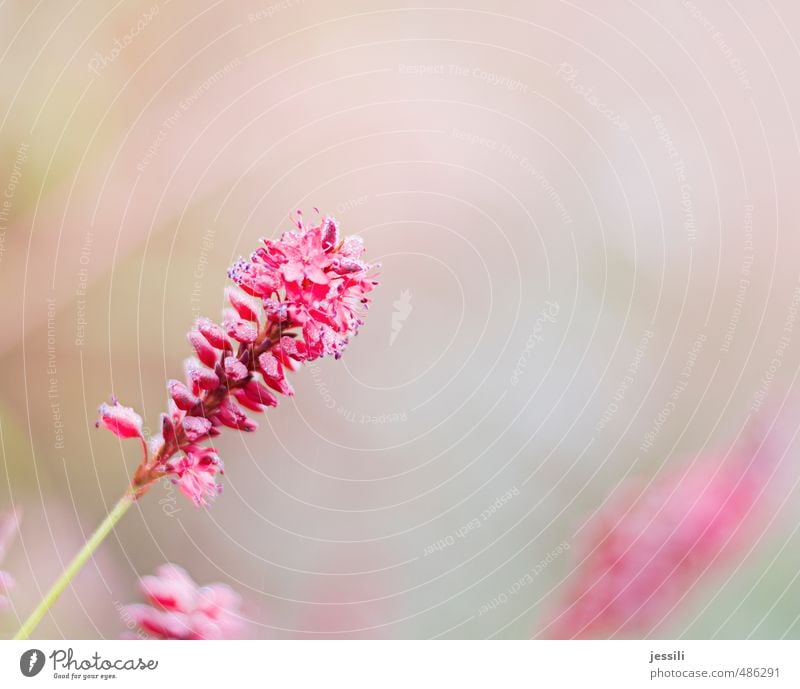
(78,561)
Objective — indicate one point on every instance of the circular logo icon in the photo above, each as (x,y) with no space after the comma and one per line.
(31,662)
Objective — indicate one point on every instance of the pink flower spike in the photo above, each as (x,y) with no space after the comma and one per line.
(311,291)
(180,609)
(121,421)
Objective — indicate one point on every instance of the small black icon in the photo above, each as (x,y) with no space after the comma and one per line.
(31,662)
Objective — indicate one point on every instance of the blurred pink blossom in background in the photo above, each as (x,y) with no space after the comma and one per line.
(9,524)
(646,549)
(178,608)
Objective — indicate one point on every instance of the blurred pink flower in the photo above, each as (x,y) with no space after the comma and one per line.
(312,290)
(9,525)
(647,548)
(178,608)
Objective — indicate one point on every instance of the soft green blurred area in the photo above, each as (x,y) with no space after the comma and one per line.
(139,177)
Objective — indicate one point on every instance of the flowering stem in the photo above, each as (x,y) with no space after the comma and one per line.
(77,563)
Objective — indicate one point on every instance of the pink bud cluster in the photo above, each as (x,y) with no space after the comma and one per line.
(177,608)
(9,524)
(299,298)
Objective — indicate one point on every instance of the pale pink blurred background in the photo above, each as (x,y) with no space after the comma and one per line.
(549,186)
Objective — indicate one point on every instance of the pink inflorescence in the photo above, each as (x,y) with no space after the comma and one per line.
(299,298)
(9,525)
(647,548)
(178,608)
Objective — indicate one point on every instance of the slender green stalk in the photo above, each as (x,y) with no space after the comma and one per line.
(78,561)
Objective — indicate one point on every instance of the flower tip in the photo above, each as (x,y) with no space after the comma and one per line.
(123,422)
(183,398)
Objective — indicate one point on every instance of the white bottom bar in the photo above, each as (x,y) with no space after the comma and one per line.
(404,664)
